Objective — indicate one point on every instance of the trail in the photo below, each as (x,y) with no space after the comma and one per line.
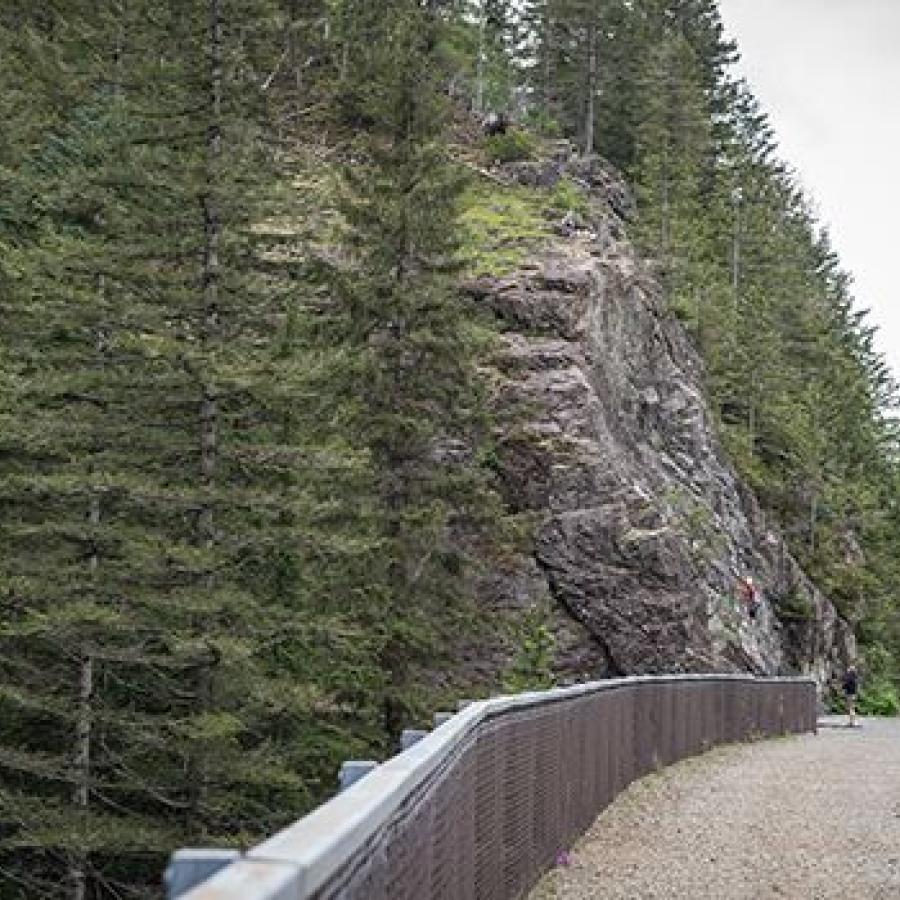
(808,818)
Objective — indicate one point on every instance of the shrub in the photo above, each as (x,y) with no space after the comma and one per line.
(568,197)
(794,606)
(535,648)
(512,146)
(540,122)
(880,698)
(879,695)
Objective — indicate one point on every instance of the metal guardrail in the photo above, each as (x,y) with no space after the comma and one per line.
(482,806)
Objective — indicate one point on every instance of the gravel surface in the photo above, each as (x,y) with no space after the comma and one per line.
(804,818)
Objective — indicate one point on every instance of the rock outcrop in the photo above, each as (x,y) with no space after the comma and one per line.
(642,527)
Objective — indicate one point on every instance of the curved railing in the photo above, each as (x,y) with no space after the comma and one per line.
(483,805)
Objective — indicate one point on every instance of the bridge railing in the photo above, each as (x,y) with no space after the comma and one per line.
(483,805)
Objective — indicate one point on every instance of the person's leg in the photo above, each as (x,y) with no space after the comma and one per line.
(851,709)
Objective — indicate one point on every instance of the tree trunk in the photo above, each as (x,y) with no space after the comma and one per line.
(294,56)
(84,719)
(211,274)
(751,424)
(665,220)
(665,212)
(752,411)
(698,306)
(736,249)
(813,520)
(119,53)
(548,69)
(479,75)
(345,48)
(591,90)
(209,409)
(83,761)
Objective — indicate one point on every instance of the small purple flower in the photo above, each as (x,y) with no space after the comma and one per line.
(563,858)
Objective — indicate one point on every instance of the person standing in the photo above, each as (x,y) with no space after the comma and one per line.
(850,686)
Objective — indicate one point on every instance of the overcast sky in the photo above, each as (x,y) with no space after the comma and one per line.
(828,74)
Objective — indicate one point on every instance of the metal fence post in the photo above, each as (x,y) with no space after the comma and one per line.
(411,736)
(353,770)
(188,868)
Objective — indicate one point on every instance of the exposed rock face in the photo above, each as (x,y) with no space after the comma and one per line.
(643,528)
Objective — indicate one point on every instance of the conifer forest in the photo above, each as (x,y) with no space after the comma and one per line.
(247,471)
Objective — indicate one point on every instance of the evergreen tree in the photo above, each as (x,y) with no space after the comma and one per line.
(163,641)
(672,145)
(400,322)
(571,42)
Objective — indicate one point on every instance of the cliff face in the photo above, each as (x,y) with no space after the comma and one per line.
(643,529)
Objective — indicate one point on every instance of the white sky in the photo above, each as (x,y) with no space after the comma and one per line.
(828,74)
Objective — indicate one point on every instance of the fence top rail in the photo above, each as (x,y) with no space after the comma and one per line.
(304,856)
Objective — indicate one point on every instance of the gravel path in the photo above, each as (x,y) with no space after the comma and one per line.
(808,818)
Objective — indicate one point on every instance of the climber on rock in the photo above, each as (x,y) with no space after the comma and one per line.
(750,595)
